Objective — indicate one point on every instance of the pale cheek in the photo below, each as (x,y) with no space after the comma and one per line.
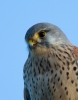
(51,40)
(39,40)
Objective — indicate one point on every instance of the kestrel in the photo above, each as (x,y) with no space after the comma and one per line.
(51,70)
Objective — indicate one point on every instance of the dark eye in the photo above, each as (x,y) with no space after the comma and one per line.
(42,34)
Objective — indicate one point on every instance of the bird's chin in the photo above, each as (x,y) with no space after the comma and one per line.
(34,47)
(38,50)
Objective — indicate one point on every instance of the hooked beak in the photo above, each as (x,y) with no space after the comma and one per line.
(32,44)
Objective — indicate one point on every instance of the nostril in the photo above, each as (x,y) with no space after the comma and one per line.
(32,40)
(32,46)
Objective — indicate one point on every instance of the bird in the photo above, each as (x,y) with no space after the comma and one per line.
(51,69)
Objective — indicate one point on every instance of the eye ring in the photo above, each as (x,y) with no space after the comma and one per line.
(42,34)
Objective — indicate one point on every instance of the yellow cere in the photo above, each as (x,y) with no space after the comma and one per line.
(35,38)
(31,41)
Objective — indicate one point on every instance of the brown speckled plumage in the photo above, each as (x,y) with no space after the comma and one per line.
(51,73)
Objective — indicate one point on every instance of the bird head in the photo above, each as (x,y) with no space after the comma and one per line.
(44,35)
